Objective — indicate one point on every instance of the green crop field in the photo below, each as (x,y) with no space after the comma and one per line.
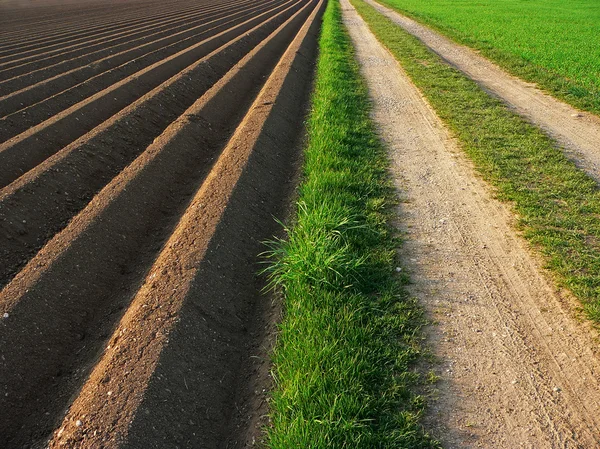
(553,42)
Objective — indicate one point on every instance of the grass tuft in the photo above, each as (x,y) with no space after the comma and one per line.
(344,359)
(557,204)
(551,42)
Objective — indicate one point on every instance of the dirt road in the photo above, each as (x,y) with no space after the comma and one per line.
(146,147)
(578,132)
(518,368)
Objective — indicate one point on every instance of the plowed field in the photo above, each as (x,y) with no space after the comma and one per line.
(145,147)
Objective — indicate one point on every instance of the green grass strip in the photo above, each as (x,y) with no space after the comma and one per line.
(549,42)
(557,204)
(344,359)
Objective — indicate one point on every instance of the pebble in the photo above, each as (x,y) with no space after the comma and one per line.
(5,315)
(78,423)
(556,389)
(398,269)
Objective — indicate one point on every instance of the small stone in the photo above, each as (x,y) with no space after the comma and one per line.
(5,315)
(556,389)
(78,423)
(398,269)
(514,382)
(109,393)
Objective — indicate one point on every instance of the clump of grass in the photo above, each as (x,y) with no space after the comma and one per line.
(558,205)
(344,359)
(551,42)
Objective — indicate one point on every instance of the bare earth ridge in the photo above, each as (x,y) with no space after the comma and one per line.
(161,138)
(518,368)
(578,132)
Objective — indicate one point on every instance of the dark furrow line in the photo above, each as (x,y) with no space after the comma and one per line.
(79,25)
(30,148)
(30,106)
(63,66)
(192,317)
(41,54)
(138,206)
(90,22)
(45,40)
(54,15)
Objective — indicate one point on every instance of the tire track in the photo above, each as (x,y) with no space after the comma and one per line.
(578,132)
(519,370)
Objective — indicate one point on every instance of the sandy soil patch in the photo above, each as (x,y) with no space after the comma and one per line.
(518,368)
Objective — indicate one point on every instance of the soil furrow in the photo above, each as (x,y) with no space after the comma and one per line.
(194,342)
(40,52)
(48,196)
(57,78)
(40,69)
(80,30)
(30,148)
(20,19)
(57,94)
(518,369)
(39,65)
(577,131)
(75,27)
(106,249)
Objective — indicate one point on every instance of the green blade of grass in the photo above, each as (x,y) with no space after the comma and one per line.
(344,359)
(558,205)
(550,42)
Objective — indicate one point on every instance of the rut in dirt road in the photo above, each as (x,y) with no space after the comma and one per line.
(518,369)
(578,132)
(132,213)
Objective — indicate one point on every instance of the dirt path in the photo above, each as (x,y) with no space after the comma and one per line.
(577,131)
(518,369)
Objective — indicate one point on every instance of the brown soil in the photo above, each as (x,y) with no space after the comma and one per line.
(578,132)
(517,367)
(120,282)
(62,85)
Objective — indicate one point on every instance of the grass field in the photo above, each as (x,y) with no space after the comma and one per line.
(344,361)
(557,204)
(552,42)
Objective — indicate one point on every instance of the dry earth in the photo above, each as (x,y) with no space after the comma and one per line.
(145,148)
(578,132)
(518,368)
